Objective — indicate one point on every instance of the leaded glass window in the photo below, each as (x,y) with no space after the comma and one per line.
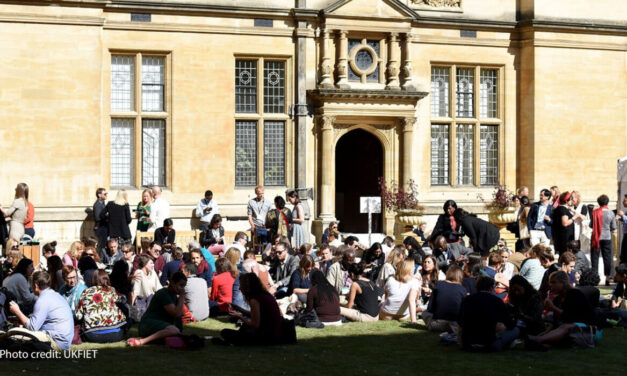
(439,154)
(465,153)
(153,83)
(122,161)
(245,153)
(274,87)
(440,91)
(274,153)
(489,155)
(365,59)
(246,86)
(488,91)
(153,152)
(465,92)
(122,83)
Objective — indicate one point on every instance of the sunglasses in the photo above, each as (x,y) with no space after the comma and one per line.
(90,254)
(127,251)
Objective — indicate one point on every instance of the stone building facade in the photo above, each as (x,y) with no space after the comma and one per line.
(321,95)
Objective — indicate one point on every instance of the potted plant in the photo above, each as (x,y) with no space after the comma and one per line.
(403,202)
(501,210)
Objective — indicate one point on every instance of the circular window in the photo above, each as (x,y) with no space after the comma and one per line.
(363,60)
(244,77)
(273,78)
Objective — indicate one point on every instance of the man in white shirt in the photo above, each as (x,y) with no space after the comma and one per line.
(240,242)
(206,209)
(258,208)
(159,210)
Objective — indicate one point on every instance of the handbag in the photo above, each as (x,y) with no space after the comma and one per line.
(582,336)
(308,319)
(139,307)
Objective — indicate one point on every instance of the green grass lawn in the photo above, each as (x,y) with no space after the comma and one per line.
(381,348)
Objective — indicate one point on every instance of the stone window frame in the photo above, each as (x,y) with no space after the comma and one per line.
(477,121)
(260,117)
(379,59)
(138,117)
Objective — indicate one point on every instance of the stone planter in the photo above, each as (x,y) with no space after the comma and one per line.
(404,223)
(500,218)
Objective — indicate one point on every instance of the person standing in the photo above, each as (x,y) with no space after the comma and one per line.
(257,210)
(483,235)
(603,226)
(623,218)
(119,215)
(539,220)
(206,209)
(298,220)
(563,223)
(29,225)
(17,212)
(142,213)
(101,227)
(159,210)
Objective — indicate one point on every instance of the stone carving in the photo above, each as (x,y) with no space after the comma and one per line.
(325,122)
(408,124)
(439,3)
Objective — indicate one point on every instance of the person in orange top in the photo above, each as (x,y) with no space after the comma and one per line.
(29,222)
(222,288)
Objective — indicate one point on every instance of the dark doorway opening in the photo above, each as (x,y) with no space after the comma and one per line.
(358,166)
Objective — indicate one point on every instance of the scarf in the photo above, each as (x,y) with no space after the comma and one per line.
(597,228)
(203,267)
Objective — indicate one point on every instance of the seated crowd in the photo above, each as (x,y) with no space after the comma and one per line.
(483,296)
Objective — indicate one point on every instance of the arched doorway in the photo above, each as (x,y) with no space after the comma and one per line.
(358,166)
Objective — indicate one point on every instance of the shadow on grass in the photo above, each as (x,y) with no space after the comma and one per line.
(384,348)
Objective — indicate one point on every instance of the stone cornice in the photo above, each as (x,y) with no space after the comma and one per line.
(381,95)
(573,26)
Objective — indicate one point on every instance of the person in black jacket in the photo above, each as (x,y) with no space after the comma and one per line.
(166,236)
(101,227)
(483,235)
(213,237)
(444,227)
(119,217)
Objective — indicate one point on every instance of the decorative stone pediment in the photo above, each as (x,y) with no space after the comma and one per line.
(371,9)
(445,4)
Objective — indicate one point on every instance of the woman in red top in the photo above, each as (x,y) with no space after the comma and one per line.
(29,222)
(222,288)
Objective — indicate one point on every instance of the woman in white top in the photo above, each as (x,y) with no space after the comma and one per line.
(17,212)
(145,280)
(395,257)
(401,293)
(298,220)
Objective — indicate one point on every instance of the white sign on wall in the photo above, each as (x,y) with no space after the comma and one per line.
(370,205)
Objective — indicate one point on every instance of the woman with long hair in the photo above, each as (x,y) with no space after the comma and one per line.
(401,293)
(213,238)
(526,305)
(120,279)
(234,256)
(145,280)
(395,257)
(298,220)
(142,213)
(374,258)
(532,269)
(17,284)
(222,288)
(431,274)
(119,214)
(300,281)
(446,225)
(74,254)
(17,212)
(555,196)
(262,325)
(54,269)
(101,319)
(363,297)
(324,299)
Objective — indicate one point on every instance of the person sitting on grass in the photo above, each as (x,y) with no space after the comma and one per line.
(234,256)
(532,269)
(145,280)
(394,258)
(172,266)
(446,299)
(73,288)
(17,284)
(205,271)
(363,297)
(250,265)
(324,258)
(484,322)
(401,293)
(300,282)
(163,317)
(51,320)
(338,272)
(374,259)
(324,299)
(196,298)
(101,319)
(570,308)
(430,275)
(262,325)
(222,288)
(526,305)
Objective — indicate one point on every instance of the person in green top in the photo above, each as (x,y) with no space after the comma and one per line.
(143,211)
(163,317)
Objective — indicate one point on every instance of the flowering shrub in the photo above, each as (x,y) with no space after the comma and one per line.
(394,197)
(502,198)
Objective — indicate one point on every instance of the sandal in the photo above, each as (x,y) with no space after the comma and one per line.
(134,342)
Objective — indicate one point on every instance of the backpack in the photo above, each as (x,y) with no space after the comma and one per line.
(20,340)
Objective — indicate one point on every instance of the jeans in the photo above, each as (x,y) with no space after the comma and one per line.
(30,232)
(606,252)
(505,339)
